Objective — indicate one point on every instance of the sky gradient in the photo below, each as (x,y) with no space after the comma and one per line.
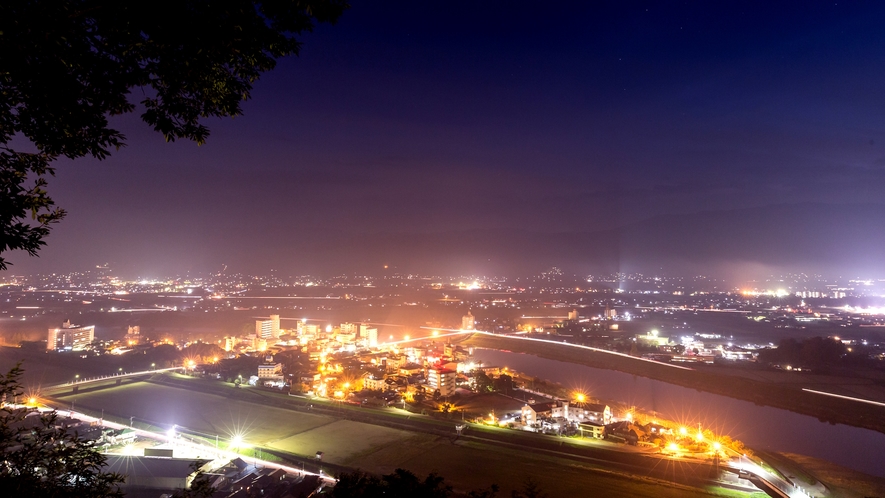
(506,137)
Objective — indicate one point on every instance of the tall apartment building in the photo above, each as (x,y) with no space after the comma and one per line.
(68,336)
(468,321)
(268,329)
(371,337)
(442,379)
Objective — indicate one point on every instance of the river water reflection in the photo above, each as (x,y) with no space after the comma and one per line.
(758,426)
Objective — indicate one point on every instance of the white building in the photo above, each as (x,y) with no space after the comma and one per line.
(374,383)
(268,329)
(531,414)
(371,337)
(70,336)
(270,370)
(468,321)
(590,412)
(442,379)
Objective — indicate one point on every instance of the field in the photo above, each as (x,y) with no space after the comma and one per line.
(343,442)
(465,464)
(206,414)
(470,465)
(484,403)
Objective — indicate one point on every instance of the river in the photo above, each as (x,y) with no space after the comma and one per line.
(759,427)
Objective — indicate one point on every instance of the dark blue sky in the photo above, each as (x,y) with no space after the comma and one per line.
(496,122)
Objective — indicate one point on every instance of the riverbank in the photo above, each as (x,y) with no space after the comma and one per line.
(788,397)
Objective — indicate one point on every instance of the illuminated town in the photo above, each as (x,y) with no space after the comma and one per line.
(334,249)
(437,373)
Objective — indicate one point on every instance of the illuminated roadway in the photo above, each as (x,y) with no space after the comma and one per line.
(79,382)
(453,332)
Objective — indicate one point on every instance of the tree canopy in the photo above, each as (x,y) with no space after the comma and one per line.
(398,484)
(66,66)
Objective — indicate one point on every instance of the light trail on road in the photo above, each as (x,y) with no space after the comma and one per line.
(520,338)
(844,397)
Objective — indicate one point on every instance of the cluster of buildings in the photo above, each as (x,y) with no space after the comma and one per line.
(269,332)
(431,370)
(563,416)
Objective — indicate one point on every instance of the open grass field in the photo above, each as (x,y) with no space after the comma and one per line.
(163,406)
(484,403)
(342,441)
(470,465)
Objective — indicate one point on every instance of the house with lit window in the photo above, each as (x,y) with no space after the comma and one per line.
(532,414)
(590,412)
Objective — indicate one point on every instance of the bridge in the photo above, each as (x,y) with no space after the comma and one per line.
(772,484)
(77,382)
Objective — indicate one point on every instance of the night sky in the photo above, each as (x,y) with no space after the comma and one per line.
(506,137)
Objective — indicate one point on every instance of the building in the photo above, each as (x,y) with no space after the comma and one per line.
(442,379)
(270,370)
(573,315)
(374,382)
(590,412)
(350,328)
(468,321)
(592,429)
(133,335)
(230,343)
(532,414)
(371,337)
(304,328)
(73,337)
(268,329)
(153,473)
(257,343)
